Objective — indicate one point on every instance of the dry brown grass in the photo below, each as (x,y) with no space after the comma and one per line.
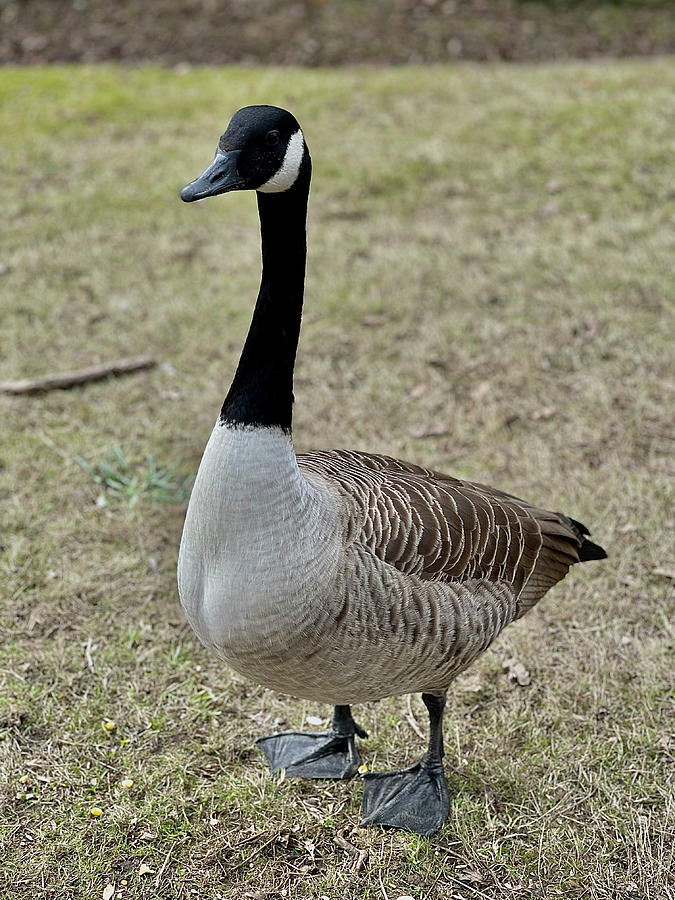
(489,291)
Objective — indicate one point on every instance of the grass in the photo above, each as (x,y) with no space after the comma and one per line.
(489,291)
(118,480)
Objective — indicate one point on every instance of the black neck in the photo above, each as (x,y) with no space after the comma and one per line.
(262,390)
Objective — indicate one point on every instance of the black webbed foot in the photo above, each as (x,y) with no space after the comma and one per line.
(318,754)
(414,799)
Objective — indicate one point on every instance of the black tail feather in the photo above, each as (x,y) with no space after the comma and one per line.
(580,527)
(587,549)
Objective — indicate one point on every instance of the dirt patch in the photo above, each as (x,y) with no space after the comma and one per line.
(328,32)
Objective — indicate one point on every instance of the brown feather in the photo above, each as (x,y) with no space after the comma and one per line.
(441,528)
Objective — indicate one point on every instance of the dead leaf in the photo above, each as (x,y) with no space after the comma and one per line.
(471,875)
(516,671)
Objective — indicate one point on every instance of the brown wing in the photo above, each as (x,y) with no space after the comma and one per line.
(442,528)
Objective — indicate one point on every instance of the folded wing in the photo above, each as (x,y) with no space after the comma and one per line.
(441,528)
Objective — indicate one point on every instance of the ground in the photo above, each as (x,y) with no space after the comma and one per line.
(331,32)
(489,292)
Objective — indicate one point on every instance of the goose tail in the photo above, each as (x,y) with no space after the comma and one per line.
(588,549)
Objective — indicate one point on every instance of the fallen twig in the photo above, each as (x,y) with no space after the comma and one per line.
(88,654)
(166,862)
(341,841)
(379,878)
(62,380)
(362,855)
(361,861)
(412,721)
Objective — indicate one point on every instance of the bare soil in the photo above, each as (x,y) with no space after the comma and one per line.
(329,32)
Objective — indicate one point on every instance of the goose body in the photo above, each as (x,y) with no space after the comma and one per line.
(341,576)
(318,576)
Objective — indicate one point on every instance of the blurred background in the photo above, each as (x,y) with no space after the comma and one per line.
(331,32)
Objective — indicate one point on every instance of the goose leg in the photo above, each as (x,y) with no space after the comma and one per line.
(316,754)
(414,799)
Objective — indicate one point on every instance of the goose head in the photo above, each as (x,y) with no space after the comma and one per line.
(263,149)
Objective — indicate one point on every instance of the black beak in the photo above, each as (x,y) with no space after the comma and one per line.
(220,177)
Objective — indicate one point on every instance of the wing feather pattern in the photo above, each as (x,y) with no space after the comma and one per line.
(441,528)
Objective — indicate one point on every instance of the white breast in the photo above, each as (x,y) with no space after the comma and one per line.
(259,544)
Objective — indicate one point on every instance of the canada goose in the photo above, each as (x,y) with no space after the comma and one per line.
(341,576)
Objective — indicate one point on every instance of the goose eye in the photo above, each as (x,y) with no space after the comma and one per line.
(272,138)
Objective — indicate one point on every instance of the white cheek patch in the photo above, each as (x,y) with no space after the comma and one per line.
(286,176)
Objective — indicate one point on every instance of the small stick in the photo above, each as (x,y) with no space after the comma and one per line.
(379,878)
(361,861)
(412,721)
(62,380)
(341,841)
(345,844)
(165,864)
(87,653)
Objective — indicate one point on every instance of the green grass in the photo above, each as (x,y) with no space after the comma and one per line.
(489,291)
(119,480)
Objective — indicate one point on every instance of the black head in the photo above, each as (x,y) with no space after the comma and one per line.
(263,149)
